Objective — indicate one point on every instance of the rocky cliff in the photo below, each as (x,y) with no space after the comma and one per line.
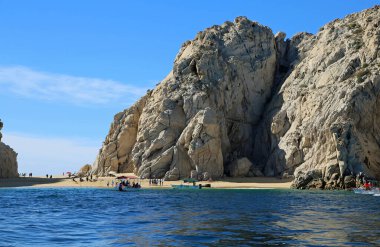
(241,101)
(322,125)
(8,160)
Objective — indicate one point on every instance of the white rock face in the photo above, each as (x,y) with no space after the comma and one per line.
(306,107)
(202,115)
(116,150)
(325,117)
(8,160)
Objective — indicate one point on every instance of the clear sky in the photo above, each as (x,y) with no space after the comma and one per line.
(66,67)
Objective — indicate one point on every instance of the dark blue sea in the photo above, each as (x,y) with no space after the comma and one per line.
(103,217)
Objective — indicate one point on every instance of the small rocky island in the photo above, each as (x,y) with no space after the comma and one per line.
(8,159)
(241,101)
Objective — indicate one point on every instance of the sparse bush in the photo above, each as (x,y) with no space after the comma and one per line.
(353,25)
(357,31)
(357,44)
(361,73)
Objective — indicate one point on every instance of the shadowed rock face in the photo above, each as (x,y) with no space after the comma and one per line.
(306,107)
(8,160)
(324,120)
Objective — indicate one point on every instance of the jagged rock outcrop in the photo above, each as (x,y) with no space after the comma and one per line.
(324,120)
(307,106)
(202,115)
(8,159)
(115,154)
(85,170)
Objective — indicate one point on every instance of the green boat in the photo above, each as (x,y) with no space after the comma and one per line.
(187,186)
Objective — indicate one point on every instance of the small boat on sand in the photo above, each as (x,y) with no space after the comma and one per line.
(188,186)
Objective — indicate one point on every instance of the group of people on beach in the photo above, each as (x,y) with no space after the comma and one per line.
(128,184)
(124,184)
(156,181)
(81,179)
(24,174)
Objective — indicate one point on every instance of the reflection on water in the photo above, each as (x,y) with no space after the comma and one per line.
(99,217)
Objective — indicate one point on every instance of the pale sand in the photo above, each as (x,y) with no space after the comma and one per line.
(60,181)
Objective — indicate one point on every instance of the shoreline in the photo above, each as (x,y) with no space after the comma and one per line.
(227,183)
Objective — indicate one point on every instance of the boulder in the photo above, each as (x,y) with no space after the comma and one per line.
(240,167)
(172,175)
(85,170)
(306,180)
(318,183)
(349,182)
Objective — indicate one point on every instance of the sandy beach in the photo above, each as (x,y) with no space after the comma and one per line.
(101,182)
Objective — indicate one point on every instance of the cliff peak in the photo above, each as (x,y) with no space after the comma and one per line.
(241,100)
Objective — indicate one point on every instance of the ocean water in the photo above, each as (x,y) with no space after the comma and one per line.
(103,217)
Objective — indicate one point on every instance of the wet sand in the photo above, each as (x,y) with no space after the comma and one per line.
(101,182)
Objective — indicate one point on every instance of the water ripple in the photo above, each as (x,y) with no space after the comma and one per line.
(101,217)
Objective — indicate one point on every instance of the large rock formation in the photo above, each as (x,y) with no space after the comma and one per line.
(306,107)
(202,115)
(8,159)
(85,170)
(324,120)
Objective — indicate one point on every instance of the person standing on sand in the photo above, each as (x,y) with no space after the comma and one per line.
(108,184)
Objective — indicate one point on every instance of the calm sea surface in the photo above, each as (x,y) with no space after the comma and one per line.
(102,217)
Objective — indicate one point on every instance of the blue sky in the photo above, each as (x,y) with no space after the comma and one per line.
(66,67)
